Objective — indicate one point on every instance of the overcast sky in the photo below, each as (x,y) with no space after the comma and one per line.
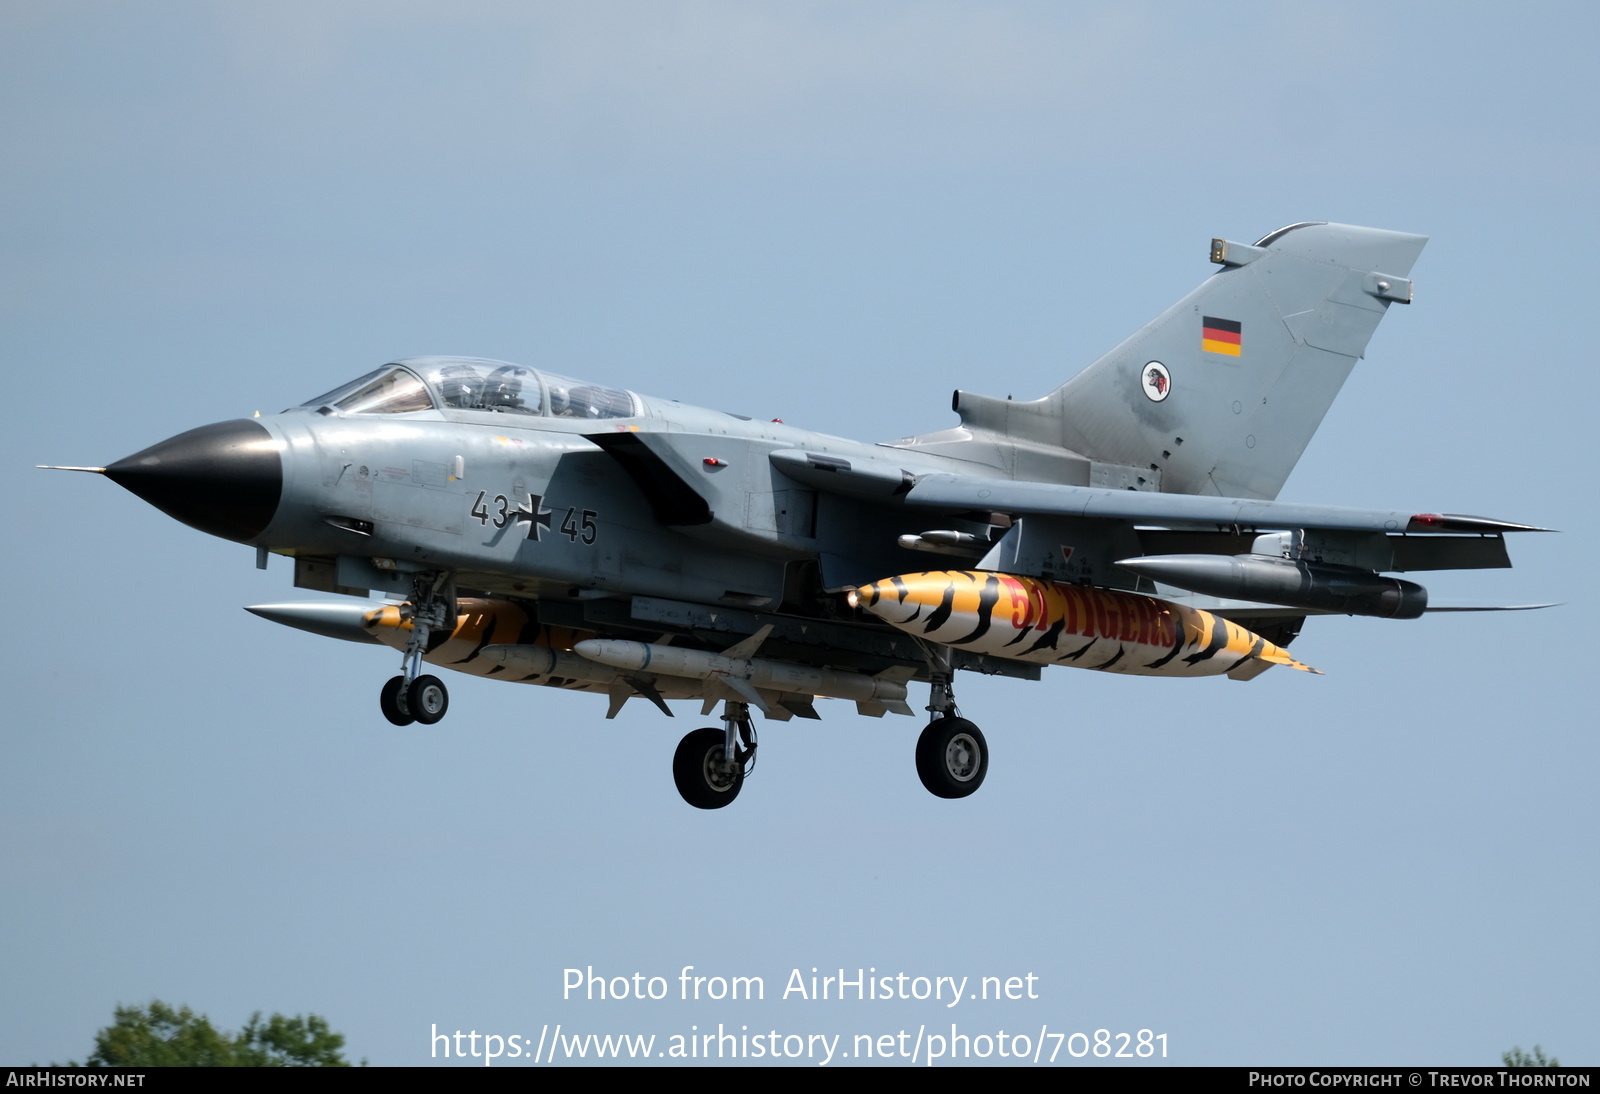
(833,214)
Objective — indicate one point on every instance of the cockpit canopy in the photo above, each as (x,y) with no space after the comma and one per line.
(475,383)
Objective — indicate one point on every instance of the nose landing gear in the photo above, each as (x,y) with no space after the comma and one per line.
(411,696)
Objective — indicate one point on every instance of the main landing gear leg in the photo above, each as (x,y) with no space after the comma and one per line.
(952,756)
(412,696)
(706,776)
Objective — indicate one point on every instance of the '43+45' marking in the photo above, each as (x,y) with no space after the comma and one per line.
(577,525)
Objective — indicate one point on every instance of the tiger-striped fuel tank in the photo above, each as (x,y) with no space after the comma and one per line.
(1004,615)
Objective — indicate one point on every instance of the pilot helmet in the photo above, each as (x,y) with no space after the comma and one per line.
(503,391)
(461,386)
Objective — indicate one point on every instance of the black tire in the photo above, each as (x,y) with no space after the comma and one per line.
(693,771)
(427,699)
(392,701)
(952,757)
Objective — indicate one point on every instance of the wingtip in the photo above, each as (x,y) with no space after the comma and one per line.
(1432,608)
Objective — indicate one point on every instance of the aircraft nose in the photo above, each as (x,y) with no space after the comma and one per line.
(225,479)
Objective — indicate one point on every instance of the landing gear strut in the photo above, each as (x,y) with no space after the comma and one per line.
(710,764)
(411,697)
(952,755)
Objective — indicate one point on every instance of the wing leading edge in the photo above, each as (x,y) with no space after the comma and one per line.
(953,493)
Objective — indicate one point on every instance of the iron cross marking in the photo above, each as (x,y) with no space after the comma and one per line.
(535,514)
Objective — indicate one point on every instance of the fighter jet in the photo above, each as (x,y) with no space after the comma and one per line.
(520,525)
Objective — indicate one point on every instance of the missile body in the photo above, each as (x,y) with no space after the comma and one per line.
(532,664)
(1314,586)
(758,672)
(1004,615)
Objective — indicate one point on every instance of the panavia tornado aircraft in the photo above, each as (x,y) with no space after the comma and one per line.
(529,527)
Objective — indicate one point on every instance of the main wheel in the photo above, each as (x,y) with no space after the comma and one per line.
(698,768)
(952,757)
(392,699)
(427,700)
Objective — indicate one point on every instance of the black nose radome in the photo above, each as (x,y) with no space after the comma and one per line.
(224,479)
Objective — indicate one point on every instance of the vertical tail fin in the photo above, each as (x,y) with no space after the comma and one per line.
(1221,392)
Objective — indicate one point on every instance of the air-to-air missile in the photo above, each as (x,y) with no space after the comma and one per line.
(1004,615)
(749,676)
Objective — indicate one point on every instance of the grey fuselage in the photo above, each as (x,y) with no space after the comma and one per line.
(528,506)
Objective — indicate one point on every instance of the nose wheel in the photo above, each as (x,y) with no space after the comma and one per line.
(427,699)
(411,696)
(393,702)
(423,700)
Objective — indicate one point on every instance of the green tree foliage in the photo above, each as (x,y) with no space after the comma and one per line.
(1518,1058)
(159,1036)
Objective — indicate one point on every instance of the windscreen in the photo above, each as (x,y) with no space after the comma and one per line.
(396,391)
(475,383)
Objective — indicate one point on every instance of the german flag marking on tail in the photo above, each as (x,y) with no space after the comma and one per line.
(1221,336)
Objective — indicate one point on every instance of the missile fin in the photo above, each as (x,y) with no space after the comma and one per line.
(897,674)
(871,708)
(720,687)
(642,686)
(619,698)
(778,712)
(800,706)
(747,648)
